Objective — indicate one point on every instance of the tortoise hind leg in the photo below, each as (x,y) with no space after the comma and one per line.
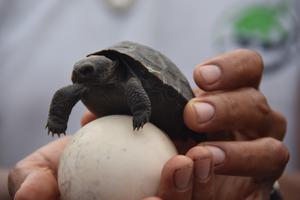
(139,103)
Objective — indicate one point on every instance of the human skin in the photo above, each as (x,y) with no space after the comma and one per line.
(290,182)
(3,186)
(242,160)
(290,185)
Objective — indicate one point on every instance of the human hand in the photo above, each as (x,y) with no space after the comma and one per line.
(35,175)
(290,185)
(244,155)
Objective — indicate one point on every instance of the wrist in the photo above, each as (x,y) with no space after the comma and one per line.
(3,184)
(290,185)
(275,193)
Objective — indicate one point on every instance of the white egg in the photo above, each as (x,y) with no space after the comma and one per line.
(107,160)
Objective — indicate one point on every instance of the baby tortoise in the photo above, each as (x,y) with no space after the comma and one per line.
(127,78)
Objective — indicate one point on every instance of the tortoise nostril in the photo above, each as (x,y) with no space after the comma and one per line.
(86,70)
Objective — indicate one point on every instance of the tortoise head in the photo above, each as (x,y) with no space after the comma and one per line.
(95,70)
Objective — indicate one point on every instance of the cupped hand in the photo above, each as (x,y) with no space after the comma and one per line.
(242,160)
(35,177)
(244,155)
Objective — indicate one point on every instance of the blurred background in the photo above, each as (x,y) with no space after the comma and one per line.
(41,39)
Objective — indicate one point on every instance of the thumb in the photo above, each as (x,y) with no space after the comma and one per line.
(38,184)
(34,177)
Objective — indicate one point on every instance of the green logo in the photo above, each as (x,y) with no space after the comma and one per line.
(270,29)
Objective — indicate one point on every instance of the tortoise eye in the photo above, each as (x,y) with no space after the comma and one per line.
(86,70)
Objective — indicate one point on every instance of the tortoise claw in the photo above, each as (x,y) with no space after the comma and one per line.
(140,120)
(57,133)
(55,128)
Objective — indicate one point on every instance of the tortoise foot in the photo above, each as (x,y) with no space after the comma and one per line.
(56,128)
(139,120)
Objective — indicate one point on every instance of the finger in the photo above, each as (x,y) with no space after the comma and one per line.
(49,155)
(203,181)
(41,163)
(87,117)
(152,198)
(176,179)
(262,158)
(198,92)
(245,109)
(32,180)
(279,126)
(39,184)
(3,185)
(240,68)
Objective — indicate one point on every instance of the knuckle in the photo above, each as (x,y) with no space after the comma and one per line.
(253,63)
(200,150)
(15,171)
(230,105)
(283,121)
(257,59)
(254,56)
(227,110)
(280,124)
(280,152)
(259,101)
(12,180)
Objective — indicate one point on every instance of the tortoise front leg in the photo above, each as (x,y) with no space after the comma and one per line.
(61,106)
(139,102)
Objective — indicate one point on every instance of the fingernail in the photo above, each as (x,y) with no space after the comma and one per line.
(183,177)
(210,73)
(218,154)
(202,169)
(204,111)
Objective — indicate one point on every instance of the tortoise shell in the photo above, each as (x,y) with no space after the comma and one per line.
(167,87)
(148,60)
